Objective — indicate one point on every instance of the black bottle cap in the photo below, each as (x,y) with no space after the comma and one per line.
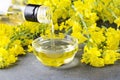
(30,12)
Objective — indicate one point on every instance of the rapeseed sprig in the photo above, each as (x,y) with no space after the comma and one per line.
(77,18)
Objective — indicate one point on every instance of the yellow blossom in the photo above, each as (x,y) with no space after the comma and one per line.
(64,3)
(110,56)
(35,1)
(17,50)
(117,21)
(90,54)
(112,39)
(30,48)
(76,27)
(27,42)
(97,37)
(6,58)
(56,27)
(97,62)
(4,40)
(79,36)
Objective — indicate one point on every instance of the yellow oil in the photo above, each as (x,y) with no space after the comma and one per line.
(63,52)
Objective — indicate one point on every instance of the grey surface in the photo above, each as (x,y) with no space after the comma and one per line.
(29,68)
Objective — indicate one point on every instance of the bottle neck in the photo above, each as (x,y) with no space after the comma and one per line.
(30,12)
(37,13)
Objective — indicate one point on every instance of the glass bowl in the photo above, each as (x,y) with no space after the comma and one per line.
(55,51)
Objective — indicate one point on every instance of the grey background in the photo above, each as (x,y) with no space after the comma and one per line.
(29,68)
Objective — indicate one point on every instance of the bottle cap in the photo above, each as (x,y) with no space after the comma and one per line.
(30,12)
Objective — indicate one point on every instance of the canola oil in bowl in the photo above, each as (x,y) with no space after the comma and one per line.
(61,52)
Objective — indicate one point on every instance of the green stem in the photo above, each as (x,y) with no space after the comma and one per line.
(82,20)
(113,14)
(107,6)
(118,50)
(81,17)
(68,31)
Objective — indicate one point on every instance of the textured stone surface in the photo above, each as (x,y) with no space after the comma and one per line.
(29,68)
